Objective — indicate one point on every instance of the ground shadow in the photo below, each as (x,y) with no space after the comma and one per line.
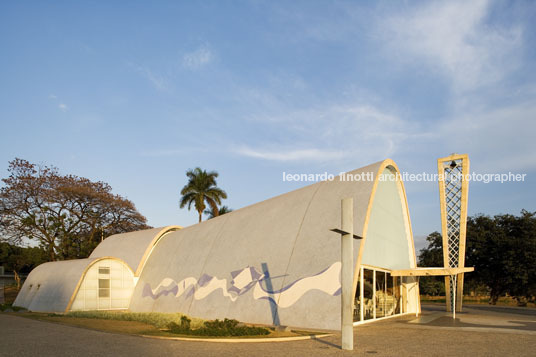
(316,339)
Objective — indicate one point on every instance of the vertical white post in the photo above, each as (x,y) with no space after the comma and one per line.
(401,292)
(384,305)
(453,287)
(418,298)
(374,294)
(347,260)
(361,295)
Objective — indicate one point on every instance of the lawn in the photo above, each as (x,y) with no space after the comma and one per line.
(137,323)
(147,324)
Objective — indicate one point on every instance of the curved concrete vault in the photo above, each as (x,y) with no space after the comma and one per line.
(274,262)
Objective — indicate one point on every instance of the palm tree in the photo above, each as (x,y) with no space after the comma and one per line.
(200,189)
(221,210)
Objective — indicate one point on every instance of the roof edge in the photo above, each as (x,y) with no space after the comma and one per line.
(151,245)
(77,288)
(402,192)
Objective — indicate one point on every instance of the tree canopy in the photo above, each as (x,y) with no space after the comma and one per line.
(502,249)
(201,190)
(221,210)
(66,215)
(432,256)
(20,260)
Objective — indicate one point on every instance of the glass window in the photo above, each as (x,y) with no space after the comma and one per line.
(368,287)
(104,283)
(104,288)
(390,301)
(396,285)
(357,301)
(380,294)
(104,270)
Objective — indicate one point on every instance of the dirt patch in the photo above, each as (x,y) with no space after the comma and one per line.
(115,326)
(10,294)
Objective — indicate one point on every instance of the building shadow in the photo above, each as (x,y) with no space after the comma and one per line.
(270,289)
(316,339)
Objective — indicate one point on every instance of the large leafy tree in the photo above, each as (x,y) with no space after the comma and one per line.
(66,215)
(502,249)
(202,190)
(432,256)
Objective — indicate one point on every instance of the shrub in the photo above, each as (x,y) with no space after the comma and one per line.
(185,323)
(227,327)
(4,307)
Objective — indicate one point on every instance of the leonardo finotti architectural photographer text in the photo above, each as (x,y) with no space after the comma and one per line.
(404,176)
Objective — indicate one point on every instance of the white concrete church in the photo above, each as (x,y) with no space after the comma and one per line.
(275,262)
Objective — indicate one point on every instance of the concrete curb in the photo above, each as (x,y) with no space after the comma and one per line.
(241,340)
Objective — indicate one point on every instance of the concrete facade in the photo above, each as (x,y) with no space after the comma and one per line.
(53,286)
(275,262)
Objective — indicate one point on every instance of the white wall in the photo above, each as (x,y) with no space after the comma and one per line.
(120,282)
(388,241)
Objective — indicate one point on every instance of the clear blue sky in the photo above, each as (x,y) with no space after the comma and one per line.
(135,93)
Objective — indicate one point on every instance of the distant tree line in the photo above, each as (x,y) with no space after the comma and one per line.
(21,260)
(502,249)
(64,215)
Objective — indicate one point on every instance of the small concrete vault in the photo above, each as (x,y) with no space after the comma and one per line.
(275,262)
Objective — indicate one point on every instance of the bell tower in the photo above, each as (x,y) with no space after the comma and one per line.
(453,193)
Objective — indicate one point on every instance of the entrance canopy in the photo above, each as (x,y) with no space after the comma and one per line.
(441,271)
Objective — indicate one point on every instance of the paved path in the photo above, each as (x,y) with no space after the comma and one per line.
(476,332)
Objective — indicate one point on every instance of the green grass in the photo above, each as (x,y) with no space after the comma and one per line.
(4,307)
(144,324)
(156,319)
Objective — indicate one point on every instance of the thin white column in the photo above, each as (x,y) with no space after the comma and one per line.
(453,288)
(347,260)
(361,295)
(374,293)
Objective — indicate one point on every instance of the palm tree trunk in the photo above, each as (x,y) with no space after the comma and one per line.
(200,215)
